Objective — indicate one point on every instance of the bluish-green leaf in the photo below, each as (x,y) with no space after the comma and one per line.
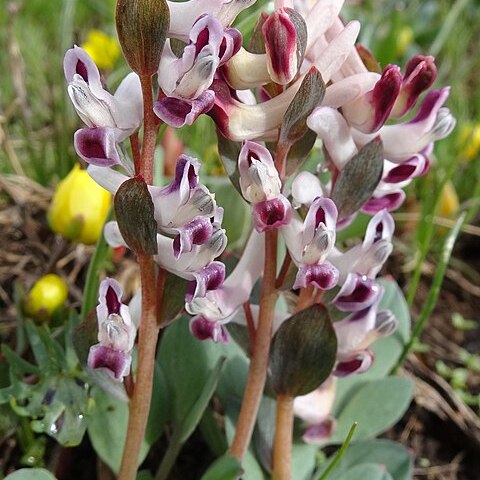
(108,423)
(370,471)
(393,456)
(30,474)
(394,300)
(224,468)
(187,364)
(376,406)
(193,417)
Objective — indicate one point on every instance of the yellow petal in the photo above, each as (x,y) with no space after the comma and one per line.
(448,200)
(48,294)
(103,49)
(79,207)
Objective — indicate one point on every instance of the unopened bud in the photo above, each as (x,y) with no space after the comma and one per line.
(142,27)
(285,35)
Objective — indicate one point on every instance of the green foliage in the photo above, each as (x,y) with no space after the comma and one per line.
(56,401)
(107,426)
(30,474)
(395,459)
(224,468)
(376,406)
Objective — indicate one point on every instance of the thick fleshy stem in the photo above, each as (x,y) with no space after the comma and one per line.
(282,444)
(257,372)
(147,342)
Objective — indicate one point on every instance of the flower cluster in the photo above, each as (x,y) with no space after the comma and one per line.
(247,94)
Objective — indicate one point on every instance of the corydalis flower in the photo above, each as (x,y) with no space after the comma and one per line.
(219,305)
(185,80)
(261,186)
(122,112)
(310,243)
(356,332)
(116,333)
(189,229)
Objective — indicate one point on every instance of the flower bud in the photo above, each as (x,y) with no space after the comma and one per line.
(420,74)
(142,27)
(285,35)
(48,294)
(79,207)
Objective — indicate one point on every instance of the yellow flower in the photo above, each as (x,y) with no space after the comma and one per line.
(448,201)
(103,49)
(404,40)
(48,294)
(469,141)
(79,207)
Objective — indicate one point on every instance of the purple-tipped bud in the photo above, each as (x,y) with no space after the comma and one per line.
(285,35)
(420,74)
(323,276)
(358,293)
(204,329)
(372,110)
(97,146)
(209,278)
(271,214)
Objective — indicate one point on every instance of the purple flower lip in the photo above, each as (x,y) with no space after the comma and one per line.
(196,232)
(390,201)
(358,292)
(271,214)
(414,167)
(358,364)
(179,112)
(115,363)
(209,278)
(97,146)
(204,329)
(82,70)
(318,434)
(323,276)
